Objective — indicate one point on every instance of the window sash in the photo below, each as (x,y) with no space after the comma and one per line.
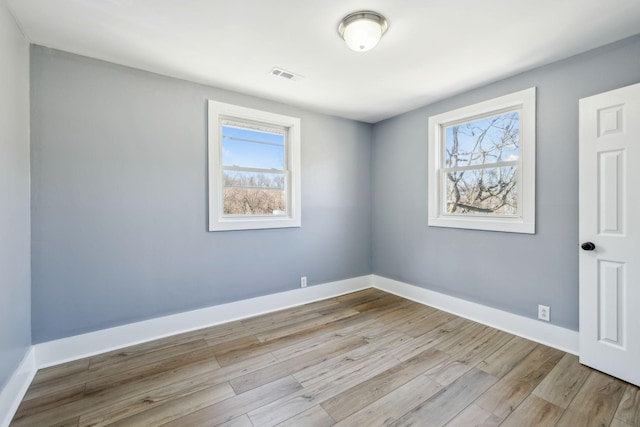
(254,126)
(444,180)
(473,119)
(286,189)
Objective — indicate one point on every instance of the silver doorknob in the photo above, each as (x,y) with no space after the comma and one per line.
(588,246)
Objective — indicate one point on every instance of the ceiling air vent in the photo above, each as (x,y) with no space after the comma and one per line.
(279,72)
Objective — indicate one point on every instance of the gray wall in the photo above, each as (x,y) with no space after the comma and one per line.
(512,272)
(15,292)
(119,201)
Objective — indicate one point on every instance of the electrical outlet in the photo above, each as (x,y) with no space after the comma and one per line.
(303,282)
(544,312)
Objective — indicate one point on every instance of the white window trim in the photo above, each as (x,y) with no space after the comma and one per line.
(219,222)
(524,222)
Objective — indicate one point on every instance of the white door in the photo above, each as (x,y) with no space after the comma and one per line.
(610,232)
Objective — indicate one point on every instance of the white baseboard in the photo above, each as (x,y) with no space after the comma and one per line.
(535,330)
(12,393)
(79,346)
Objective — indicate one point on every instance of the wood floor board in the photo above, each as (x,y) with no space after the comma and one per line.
(616,422)
(629,409)
(221,348)
(281,324)
(384,302)
(267,322)
(291,366)
(388,305)
(291,316)
(204,371)
(389,315)
(142,360)
(51,400)
(401,315)
(72,422)
(465,334)
(65,370)
(563,382)
(304,343)
(175,408)
(473,415)
(377,322)
(228,373)
(426,322)
(226,331)
(448,402)
(202,356)
(367,392)
(60,385)
(144,349)
(367,358)
(121,395)
(235,355)
(384,318)
(516,386)
(316,417)
(238,405)
(534,412)
(397,316)
(316,392)
(465,357)
(355,298)
(346,362)
(290,345)
(507,357)
(241,421)
(133,400)
(417,345)
(596,402)
(300,327)
(189,377)
(390,407)
(414,316)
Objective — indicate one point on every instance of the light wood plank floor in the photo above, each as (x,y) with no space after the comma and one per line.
(363,359)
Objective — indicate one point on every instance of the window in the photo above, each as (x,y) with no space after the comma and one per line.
(254,169)
(482,165)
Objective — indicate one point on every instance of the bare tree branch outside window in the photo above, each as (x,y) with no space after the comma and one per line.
(481,166)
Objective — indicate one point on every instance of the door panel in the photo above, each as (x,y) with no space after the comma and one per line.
(611,209)
(610,218)
(611,289)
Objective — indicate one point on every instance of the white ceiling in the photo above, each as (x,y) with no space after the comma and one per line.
(433,49)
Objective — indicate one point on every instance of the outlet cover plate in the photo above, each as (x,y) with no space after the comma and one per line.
(544,312)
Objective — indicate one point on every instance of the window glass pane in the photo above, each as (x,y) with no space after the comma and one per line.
(251,148)
(251,193)
(483,141)
(486,191)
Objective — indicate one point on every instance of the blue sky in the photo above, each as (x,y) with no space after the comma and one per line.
(252,149)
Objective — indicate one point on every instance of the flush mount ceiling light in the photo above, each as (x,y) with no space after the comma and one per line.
(362,30)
